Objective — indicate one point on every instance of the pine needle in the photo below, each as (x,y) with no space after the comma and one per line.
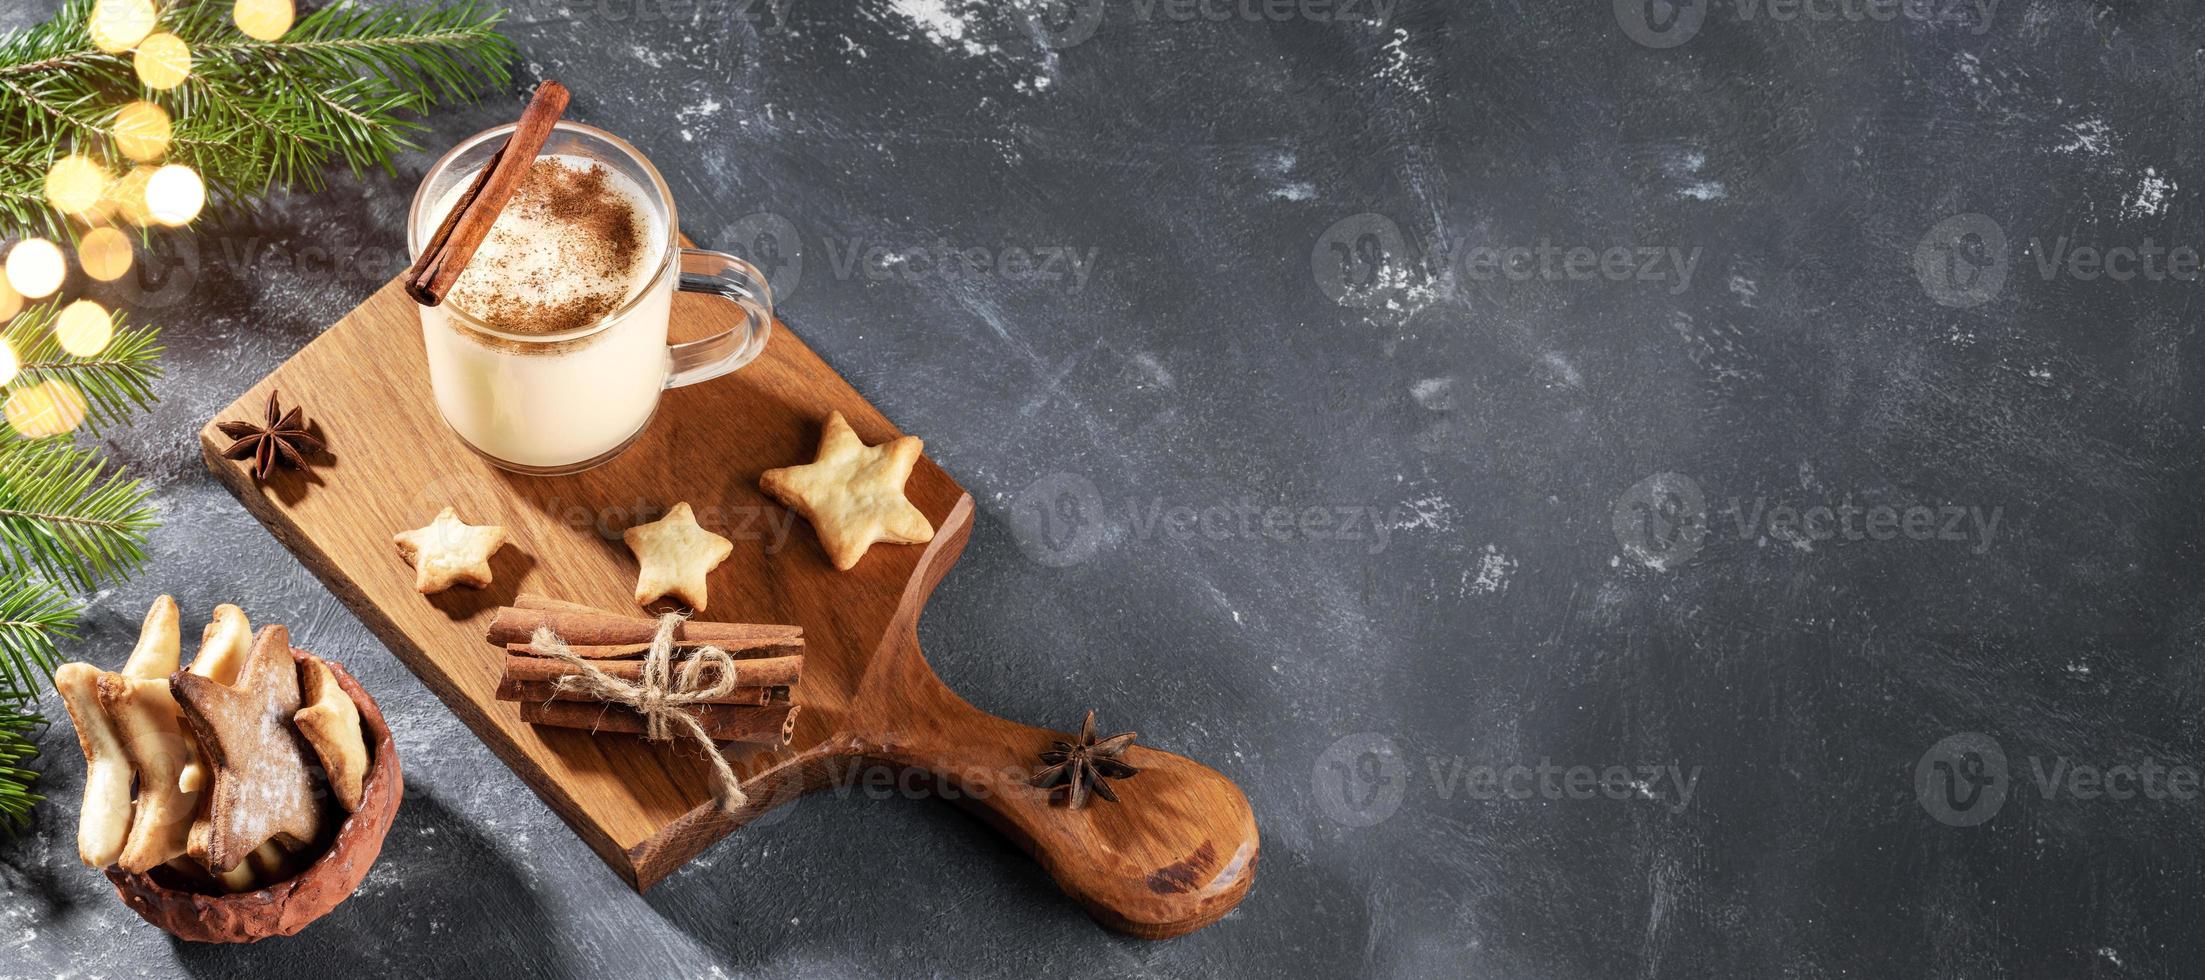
(65,514)
(115,382)
(347,84)
(18,746)
(33,617)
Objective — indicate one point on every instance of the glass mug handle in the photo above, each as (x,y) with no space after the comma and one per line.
(736,281)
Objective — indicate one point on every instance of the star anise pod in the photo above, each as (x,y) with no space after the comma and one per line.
(1086,765)
(282,440)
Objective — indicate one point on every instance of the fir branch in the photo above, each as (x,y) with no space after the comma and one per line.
(347,83)
(64,513)
(18,745)
(34,617)
(115,382)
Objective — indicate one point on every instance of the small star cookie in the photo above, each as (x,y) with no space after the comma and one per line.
(676,555)
(853,493)
(448,552)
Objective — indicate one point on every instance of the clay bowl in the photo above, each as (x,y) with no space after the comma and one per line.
(284,908)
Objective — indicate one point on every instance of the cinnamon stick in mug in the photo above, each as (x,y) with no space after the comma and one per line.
(446,254)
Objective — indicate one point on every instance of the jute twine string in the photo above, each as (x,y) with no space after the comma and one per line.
(662,699)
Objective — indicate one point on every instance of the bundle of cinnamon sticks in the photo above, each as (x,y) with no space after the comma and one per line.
(769,661)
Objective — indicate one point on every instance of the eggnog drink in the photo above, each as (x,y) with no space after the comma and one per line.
(551,383)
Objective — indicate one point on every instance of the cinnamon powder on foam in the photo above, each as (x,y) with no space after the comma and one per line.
(563,254)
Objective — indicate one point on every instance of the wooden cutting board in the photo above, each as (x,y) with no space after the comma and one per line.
(1175,854)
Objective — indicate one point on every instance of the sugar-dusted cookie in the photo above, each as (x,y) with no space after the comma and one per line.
(853,493)
(222,646)
(448,552)
(676,555)
(260,788)
(331,723)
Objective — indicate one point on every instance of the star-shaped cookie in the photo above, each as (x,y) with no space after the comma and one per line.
(853,493)
(449,552)
(676,555)
(260,788)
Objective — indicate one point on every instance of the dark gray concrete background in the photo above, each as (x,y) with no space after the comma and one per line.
(1574,484)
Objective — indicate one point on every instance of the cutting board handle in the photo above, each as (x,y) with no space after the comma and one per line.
(1175,853)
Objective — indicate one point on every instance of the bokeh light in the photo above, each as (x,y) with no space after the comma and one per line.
(174,194)
(35,268)
(163,61)
(118,25)
(265,20)
(105,254)
(9,363)
(75,183)
(11,302)
(49,408)
(126,197)
(84,328)
(142,132)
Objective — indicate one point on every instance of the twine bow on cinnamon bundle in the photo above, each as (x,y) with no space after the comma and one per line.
(566,665)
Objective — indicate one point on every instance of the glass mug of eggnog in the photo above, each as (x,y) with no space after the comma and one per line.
(550,351)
